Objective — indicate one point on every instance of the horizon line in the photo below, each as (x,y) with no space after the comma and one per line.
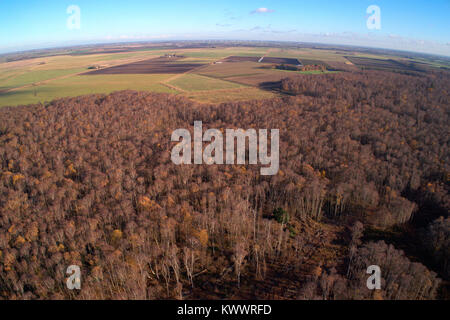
(87,43)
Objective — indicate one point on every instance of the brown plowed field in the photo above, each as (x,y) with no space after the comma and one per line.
(259,80)
(161,65)
(281,60)
(241,59)
(382,64)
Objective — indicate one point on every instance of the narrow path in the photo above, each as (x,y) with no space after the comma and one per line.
(194,93)
(173,87)
(166,83)
(35,84)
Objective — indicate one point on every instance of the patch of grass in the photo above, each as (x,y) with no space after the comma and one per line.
(81,85)
(232,69)
(207,54)
(243,94)
(194,60)
(31,77)
(195,82)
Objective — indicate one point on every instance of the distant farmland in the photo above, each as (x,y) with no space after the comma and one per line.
(163,65)
(275,60)
(383,64)
(204,73)
(246,71)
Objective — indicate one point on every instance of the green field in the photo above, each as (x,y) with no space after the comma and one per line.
(30,77)
(242,94)
(81,85)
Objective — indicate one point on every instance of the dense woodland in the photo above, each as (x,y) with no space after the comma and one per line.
(89,181)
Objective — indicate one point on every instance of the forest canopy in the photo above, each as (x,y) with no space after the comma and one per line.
(88,181)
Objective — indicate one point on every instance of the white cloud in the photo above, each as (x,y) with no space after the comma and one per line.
(262,10)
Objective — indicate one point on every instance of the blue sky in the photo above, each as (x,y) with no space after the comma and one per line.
(415,25)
